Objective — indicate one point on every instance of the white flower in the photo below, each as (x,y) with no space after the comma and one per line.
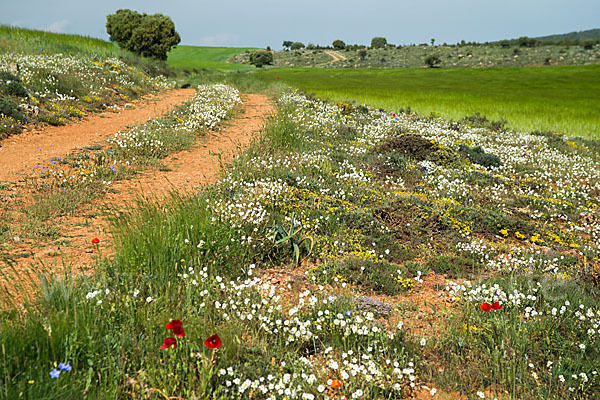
(148,299)
(480,395)
(423,342)
(321,388)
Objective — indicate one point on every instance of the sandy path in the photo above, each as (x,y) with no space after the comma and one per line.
(19,154)
(335,57)
(186,171)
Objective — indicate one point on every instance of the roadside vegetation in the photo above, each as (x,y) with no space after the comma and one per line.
(60,186)
(67,77)
(302,261)
(559,99)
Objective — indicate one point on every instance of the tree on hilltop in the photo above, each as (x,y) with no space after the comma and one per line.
(146,35)
(339,44)
(378,42)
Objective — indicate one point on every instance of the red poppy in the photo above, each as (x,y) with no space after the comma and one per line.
(394,115)
(277,77)
(95,241)
(496,306)
(485,307)
(213,342)
(175,325)
(336,384)
(170,341)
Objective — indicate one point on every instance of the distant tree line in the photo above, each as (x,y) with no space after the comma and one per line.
(381,43)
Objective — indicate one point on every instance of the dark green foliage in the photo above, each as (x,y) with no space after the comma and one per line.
(588,44)
(261,58)
(409,145)
(11,85)
(287,44)
(432,61)
(378,42)
(362,53)
(477,120)
(120,26)
(525,41)
(10,108)
(505,44)
(339,44)
(297,46)
(478,156)
(147,35)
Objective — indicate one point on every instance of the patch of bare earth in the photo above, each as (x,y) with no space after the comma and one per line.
(184,171)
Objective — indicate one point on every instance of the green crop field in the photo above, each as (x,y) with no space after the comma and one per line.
(559,99)
(197,57)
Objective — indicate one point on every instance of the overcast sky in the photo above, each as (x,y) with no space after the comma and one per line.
(258,23)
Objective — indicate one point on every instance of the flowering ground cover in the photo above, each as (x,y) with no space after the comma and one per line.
(40,84)
(296,275)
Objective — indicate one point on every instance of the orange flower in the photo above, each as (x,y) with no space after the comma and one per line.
(336,384)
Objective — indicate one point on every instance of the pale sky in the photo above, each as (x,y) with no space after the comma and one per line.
(259,23)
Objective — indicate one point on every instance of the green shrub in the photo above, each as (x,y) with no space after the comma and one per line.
(525,41)
(588,45)
(410,145)
(146,35)
(362,53)
(297,46)
(478,156)
(11,85)
(11,109)
(287,44)
(259,58)
(432,60)
(339,44)
(445,157)
(378,42)
(477,120)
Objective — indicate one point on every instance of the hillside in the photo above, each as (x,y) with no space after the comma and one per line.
(590,34)
(55,78)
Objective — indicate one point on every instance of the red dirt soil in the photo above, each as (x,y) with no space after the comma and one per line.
(185,171)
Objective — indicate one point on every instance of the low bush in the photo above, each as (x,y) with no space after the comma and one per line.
(478,156)
(260,58)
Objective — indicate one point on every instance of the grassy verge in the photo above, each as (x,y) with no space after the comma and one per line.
(62,186)
(368,202)
(558,99)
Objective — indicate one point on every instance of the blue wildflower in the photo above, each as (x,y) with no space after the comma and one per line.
(65,367)
(55,373)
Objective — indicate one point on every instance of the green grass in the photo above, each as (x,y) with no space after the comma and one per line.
(559,99)
(20,40)
(199,57)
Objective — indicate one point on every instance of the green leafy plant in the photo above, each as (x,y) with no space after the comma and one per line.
(292,238)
